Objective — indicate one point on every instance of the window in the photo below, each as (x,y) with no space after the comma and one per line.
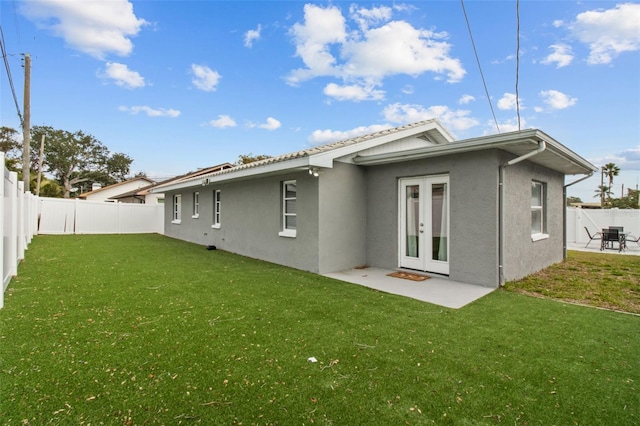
(216,209)
(538,225)
(289,219)
(196,205)
(177,208)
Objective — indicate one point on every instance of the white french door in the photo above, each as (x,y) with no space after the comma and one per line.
(424,223)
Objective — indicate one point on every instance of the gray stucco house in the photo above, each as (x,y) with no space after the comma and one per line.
(482,210)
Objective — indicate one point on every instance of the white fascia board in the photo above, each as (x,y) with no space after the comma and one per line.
(432,151)
(246,173)
(500,141)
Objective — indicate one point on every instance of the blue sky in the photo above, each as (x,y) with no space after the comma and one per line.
(181,85)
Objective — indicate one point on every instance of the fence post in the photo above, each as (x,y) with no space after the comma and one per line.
(2,230)
(13,224)
(20,223)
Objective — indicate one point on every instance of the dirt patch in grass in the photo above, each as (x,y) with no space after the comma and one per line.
(601,280)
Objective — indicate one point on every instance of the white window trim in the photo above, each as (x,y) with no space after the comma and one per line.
(196,205)
(285,232)
(177,209)
(217,210)
(540,235)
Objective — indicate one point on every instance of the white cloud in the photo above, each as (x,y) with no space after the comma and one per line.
(610,32)
(270,124)
(223,121)
(252,35)
(506,126)
(562,55)
(466,99)
(204,78)
(453,120)
(122,75)
(322,27)
(319,137)
(366,17)
(352,92)
(555,99)
(150,112)
(630,158)
(508,102)
(329,48)
(96,28)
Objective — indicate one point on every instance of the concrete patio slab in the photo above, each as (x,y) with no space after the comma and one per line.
(437,290)
(441,290)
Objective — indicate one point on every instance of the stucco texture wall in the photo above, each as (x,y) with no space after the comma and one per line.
(342,232)
(522,256)
(473,181)
(251,220)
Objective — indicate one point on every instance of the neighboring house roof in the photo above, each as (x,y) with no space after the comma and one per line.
(139,192)
(190,175)
(115,186)
(424,139)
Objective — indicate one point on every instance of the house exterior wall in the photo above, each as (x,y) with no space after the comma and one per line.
(115,190)
(342,216)
(251,219)
(522,256)
(473,181)
(348,217)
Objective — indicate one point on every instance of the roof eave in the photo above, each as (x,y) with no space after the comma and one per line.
(500,141)
(280,167)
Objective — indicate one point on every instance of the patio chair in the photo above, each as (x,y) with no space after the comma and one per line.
(633,239)
(609,237)
(596,236)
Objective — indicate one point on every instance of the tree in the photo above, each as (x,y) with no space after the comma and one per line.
(601,192)
(572,200)
(12,148)
(628,202)
(250,158)
(610,170)
(73,158)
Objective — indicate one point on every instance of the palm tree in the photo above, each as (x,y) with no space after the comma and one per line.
(610,170)
(601,192)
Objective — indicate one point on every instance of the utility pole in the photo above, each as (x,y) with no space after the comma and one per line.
(40,166)
(26,124)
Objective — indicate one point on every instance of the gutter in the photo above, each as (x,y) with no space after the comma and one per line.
(541,147)
(564,212)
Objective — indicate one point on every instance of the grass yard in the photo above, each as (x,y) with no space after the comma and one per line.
(603,280)
(144,329)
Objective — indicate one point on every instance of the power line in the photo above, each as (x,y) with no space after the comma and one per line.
(518,59)
(6,66)
(486,91)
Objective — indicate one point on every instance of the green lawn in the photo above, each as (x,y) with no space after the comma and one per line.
(144,329)
(604,280)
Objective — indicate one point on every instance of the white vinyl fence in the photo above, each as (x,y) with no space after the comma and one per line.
(25,215)
(60,216)
(18,224)
(595,220)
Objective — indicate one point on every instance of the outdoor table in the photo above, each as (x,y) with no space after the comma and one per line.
(611,236)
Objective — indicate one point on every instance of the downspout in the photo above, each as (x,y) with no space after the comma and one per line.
(564,212)
(541,147)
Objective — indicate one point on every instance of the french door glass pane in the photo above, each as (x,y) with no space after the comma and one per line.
(439,226)
(412,220)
